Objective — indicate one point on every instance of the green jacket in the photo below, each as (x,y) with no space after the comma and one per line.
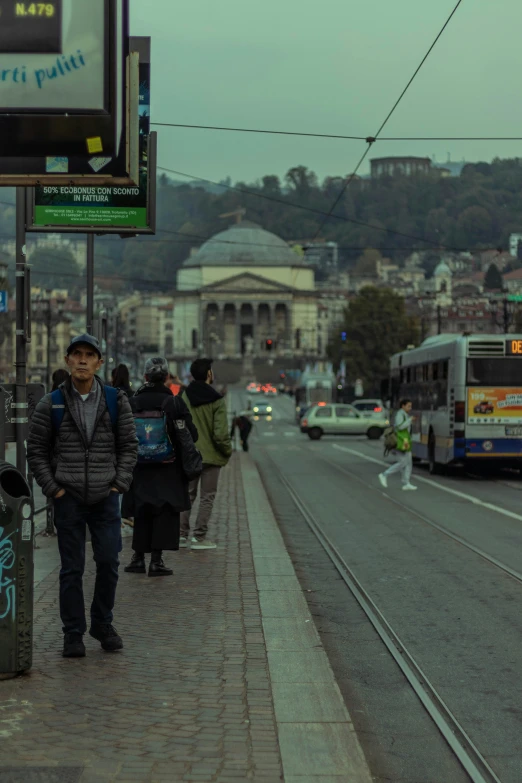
(211,421)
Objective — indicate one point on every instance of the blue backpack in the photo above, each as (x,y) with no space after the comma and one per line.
(58,407)
(154,444)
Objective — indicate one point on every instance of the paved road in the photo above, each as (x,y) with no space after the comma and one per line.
(458,614)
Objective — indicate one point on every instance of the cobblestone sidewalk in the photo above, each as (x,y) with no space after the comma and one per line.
(188,699)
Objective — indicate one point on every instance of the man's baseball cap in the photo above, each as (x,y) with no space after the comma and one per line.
(85,339)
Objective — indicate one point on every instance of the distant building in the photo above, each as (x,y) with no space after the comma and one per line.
(393,167)
(514,239)
(513,281)
(245,290)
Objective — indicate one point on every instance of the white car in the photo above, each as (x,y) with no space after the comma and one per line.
(334,419)
(371,408)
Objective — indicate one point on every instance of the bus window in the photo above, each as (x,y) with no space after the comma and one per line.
(494,372)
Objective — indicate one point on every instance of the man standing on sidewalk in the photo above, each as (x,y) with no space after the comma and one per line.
(82,448)
(209,413)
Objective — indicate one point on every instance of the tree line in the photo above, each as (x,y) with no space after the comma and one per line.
(477,210)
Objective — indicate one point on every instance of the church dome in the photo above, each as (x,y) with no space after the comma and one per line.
(245,244)
(442,270)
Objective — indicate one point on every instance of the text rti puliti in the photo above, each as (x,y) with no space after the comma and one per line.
(64,65)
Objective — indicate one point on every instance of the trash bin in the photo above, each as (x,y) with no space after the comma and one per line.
(16,572)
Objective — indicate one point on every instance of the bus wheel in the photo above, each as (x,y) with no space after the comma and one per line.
(374,433)
(315,433)
(434,467)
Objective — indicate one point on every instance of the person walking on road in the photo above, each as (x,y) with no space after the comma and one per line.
(209,412)
(160,488)
(82,449)
(404,462)
(244,424)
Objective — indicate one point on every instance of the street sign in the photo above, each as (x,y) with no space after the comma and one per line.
(4,303)
(109,209)
(515,298)
(63,88)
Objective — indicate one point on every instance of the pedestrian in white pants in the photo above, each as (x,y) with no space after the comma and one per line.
(404,460)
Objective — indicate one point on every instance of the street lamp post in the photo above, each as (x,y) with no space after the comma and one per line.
(44,308)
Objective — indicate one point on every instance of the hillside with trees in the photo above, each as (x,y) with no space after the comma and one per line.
(477,210)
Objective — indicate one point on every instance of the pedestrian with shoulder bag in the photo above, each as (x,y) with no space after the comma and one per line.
(400,442)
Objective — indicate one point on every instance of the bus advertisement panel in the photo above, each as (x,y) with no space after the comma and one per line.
(494,406)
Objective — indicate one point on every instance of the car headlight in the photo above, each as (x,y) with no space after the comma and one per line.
(269,409)
(256,410)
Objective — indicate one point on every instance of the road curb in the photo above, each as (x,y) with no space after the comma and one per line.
(316,735)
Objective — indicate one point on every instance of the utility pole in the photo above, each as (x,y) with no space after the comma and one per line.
(90,283)
(23,331)
(45,307)
(439,319)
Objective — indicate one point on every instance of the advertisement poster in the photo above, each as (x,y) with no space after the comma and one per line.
(104,207)
(494,406)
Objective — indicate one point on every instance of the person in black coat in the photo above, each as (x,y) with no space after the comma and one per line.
(159,491)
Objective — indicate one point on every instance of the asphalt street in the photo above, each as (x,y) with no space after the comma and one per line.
(456,611)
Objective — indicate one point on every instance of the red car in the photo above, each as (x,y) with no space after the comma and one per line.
(484,407)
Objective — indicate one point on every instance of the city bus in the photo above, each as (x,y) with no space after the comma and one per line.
(467,398)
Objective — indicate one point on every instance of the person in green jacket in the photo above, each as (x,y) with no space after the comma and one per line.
(209,414)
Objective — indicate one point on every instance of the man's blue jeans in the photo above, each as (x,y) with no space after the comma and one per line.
(71,518)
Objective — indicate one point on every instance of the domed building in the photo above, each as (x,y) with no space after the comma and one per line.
(245,291)
(442,277)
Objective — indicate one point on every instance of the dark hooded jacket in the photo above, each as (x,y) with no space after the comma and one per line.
(65,460)
(209,411)
(157,485)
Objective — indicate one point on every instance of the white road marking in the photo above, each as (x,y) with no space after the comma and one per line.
(290,434)
(268,434)
(504,511)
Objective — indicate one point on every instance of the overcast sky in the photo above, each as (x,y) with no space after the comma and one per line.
(335,66)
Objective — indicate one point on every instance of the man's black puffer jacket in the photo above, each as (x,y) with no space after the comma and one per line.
(64,460)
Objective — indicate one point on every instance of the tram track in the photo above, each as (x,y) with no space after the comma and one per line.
(517,575)
(462,746)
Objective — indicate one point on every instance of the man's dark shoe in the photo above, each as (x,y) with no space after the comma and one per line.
(108,637)
(136,565)
(158,568)
(73,646)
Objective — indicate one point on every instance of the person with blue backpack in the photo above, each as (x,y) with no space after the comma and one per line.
(81,449)
(167,460)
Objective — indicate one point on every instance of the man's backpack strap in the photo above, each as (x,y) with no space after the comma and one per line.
(111,398)
(58,407)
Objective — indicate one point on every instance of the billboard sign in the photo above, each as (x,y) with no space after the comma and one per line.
(62,86)
(494,406)
(110,208)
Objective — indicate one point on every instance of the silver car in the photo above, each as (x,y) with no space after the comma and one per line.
(341,420)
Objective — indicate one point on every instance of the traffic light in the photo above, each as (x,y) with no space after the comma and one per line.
(343,336)
(269,344)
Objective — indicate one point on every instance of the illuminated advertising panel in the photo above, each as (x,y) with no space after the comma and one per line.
(62,85)
(494,406)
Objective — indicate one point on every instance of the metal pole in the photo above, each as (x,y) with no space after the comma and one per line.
(49,329)
(22,295)
(90,283)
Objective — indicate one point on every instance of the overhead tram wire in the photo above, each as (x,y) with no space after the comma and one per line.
(334,135)
(314,211)
(372,139)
